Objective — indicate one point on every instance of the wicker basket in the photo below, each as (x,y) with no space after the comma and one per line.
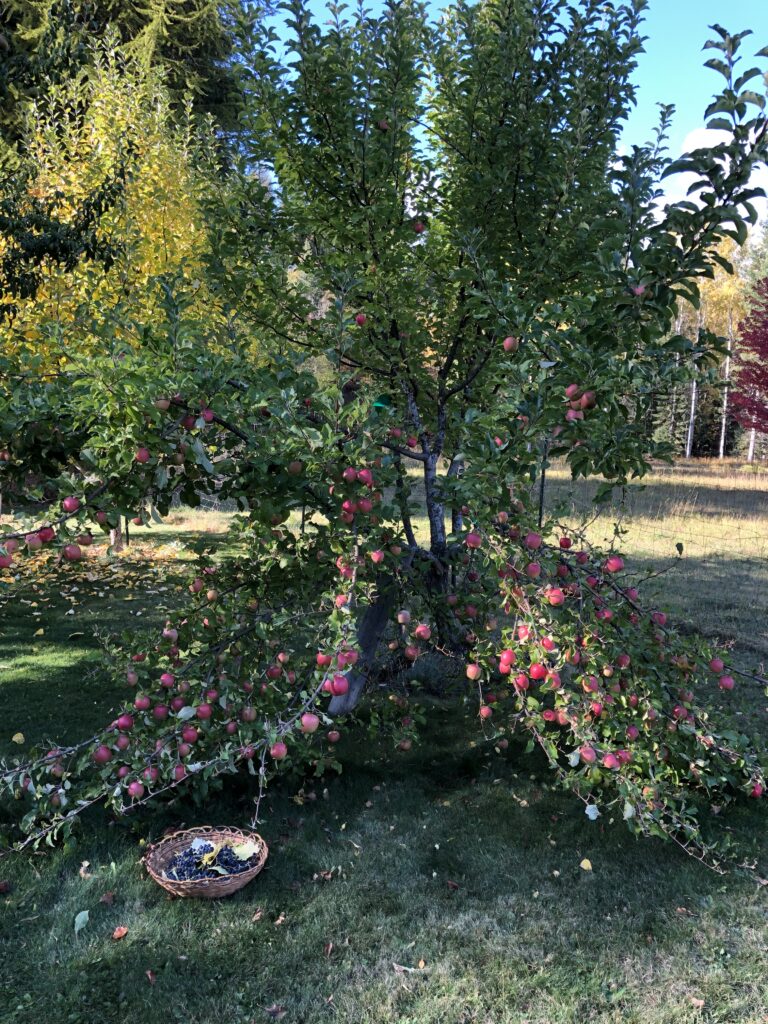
(160,855)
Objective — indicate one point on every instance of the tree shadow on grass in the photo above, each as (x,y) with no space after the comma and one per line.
(521,925)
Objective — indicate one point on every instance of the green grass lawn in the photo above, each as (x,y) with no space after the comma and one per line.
(439,886)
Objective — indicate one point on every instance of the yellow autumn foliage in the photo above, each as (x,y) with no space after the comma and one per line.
(79,135)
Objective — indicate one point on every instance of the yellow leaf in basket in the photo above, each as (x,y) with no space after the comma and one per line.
(210,857)
(244,851)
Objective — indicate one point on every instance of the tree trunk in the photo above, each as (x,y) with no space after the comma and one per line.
(116,537)
(370,630)
(691,420)
(751,449)
(724,415)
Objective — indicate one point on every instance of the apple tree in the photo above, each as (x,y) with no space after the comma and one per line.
(456,281)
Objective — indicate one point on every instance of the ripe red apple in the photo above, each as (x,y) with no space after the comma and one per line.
(717,664)
(309,722)
(334,736)
(474,671)
(404,617)
(510,344)
(278,750)
(537,671)
(248,714)
(190,734)
(162,404)
(204,712)
(142,455)
(610,761)
(125,723)
(555,596)
(135,790)
(179,772)
(533,541)
(613,564)
(46,534)
(422,631)
(142,702)
(102,755)
(70,504)
(726,682)
(339,685)
(757,790)
(418,227)
(212,596)
(365,476)
(473,540)
(123,770)
(632,732)
(160,712)
(485,712)
(6,561)
(360,319)
(151,774)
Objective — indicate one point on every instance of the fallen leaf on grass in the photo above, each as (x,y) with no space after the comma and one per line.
(275,1012)
(108,898)
(280,920)
(422,964)
(328,948)
(5,888)
(84,872)
(697,1004)
(586,865)
(151,977)
(326,876)
(18,737)
(81,920)
(401,969)
(453,886)
(120,932)
(257,914)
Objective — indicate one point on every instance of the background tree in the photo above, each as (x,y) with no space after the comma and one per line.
(492,283)
(750,395)
(44,43)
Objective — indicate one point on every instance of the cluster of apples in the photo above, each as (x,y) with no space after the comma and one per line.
(579,401)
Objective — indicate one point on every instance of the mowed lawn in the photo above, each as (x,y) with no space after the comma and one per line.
(439,886)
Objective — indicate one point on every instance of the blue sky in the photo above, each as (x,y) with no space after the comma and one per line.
(671,70)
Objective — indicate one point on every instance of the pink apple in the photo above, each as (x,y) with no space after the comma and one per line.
(613,564)
(151,774)
(339,685)
(71,504)
(422,631)
(125,723)
(533,541)
(717,665)
(167,679)
(473,540)
(142,702)
(309,722)
(142,455)
(160,712)
(278,750)
(102,755)
(610,761)
(726,682)
(510,344)
(135,790)
(588,754)
(555,596)
(485,712)
(360,319)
